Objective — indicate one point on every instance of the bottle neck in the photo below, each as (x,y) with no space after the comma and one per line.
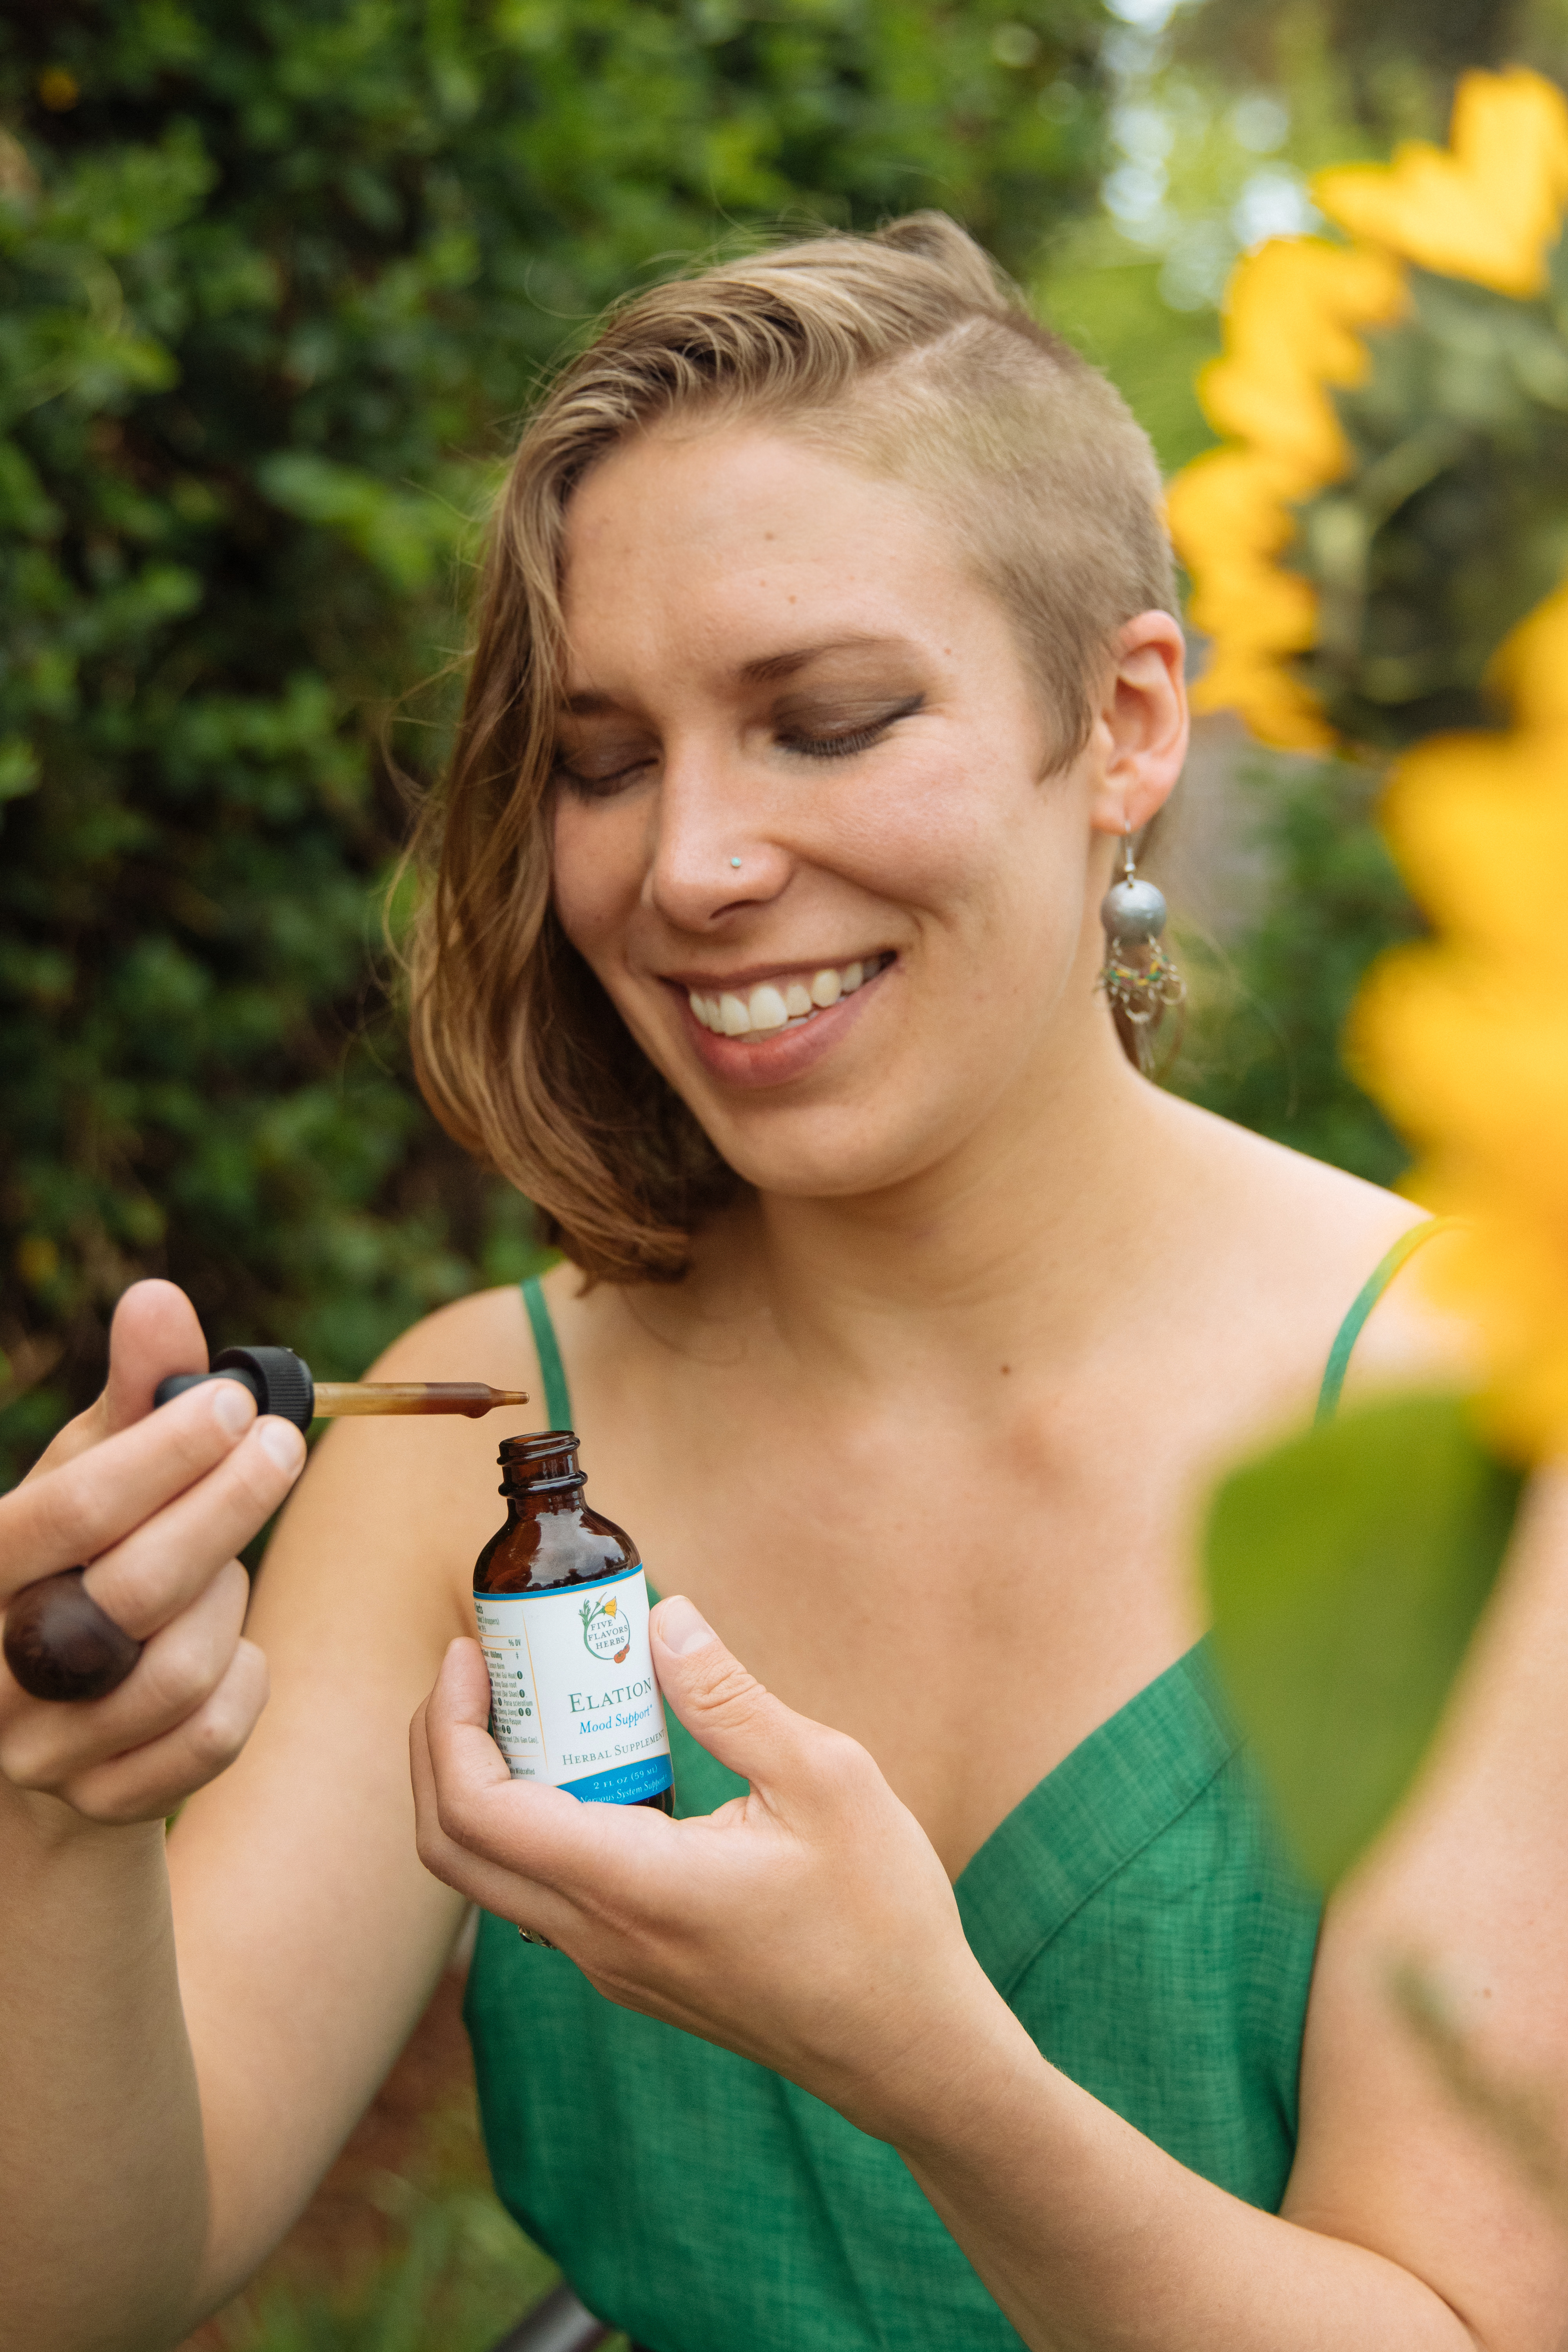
(540,1473)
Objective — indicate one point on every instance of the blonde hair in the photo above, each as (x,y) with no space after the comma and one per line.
(908,356)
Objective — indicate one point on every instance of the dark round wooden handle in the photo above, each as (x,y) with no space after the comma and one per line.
(60,1645)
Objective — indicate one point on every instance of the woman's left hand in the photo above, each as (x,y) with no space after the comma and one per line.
(807,1925)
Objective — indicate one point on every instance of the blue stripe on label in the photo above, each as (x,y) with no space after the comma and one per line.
(624,1784)
(553,1592)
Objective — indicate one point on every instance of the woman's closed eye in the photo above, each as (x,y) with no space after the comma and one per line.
(595,770)
(597,765)
(838,731)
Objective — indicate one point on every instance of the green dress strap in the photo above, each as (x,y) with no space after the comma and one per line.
(1366,1298)
(557,1395)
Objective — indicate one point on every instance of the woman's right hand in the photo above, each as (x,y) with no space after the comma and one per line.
(157,1503)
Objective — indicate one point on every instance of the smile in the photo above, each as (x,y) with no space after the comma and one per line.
(788,1002)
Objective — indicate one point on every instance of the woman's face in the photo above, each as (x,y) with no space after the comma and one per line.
(806,828)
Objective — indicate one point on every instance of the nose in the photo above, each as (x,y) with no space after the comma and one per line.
(714,852)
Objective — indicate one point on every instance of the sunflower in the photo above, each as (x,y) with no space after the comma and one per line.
(1396,410)
(1463,1038)
(1380,558)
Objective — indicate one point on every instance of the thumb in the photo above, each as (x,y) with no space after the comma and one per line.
(725,1708)
(454,1722)
(155,1332)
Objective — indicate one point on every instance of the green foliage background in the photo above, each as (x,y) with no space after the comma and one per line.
(1267,1013)
(277,279)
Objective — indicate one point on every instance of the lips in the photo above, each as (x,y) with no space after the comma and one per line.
(773,1004)
(787,1041)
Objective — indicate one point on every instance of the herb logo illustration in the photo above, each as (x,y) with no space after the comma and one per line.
(606,1633)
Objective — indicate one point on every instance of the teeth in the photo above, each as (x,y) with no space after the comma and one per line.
(767,1009)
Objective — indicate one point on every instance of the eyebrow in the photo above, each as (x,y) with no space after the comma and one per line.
(787,665)
(766,671)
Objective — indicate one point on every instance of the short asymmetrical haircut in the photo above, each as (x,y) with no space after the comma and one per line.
(904,354)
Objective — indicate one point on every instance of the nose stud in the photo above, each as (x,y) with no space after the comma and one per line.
(736,863)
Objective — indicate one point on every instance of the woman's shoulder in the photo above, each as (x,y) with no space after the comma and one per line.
(1375,1255)
(484,1335)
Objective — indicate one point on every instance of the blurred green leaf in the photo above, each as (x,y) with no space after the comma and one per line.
(1346,1570)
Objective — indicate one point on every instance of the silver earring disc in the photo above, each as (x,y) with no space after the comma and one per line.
(1134,910)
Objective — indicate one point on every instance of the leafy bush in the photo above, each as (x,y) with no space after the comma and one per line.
(1269,1014)
(276,277)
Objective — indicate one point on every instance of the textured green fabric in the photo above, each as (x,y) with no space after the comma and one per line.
(1135,1911)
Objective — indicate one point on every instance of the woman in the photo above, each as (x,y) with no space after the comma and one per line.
(827,659)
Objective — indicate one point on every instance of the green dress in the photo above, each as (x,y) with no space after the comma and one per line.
(1136,1912)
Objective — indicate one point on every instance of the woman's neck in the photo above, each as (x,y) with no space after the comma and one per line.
(1025,1238)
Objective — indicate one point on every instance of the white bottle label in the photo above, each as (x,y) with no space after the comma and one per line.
(573,1697)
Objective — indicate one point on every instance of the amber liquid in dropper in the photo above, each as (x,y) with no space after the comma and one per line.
(336,1399)
(553,1545)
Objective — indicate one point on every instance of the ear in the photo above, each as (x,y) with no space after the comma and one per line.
(1140,726)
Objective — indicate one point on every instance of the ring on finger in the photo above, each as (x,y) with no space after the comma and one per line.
(530,1938)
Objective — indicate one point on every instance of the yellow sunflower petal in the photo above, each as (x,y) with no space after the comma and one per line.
(1529,669)
(1226,501)
(1467,816)
(1230,519)
(1456,1057)
(1509,1273)
(1292,313)
(1464,1038)
(1488,208)
(1275,707)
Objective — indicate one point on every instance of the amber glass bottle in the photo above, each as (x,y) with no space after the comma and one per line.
(561,1604)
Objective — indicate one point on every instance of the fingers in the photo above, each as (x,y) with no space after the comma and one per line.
(732,1715)
(153,1779)
(496,1887)
(59,1749)
(504,1829)
(157,1570)
(81,1508)
(159,1508)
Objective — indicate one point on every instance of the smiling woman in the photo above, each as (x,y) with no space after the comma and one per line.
(826,662)
(780,407)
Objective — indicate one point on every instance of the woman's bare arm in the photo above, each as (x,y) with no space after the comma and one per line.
(100,2143)
(158,2133)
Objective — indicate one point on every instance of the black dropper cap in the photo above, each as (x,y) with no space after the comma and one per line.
(277,1379)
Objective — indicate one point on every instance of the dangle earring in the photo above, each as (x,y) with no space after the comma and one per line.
(1140,981)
